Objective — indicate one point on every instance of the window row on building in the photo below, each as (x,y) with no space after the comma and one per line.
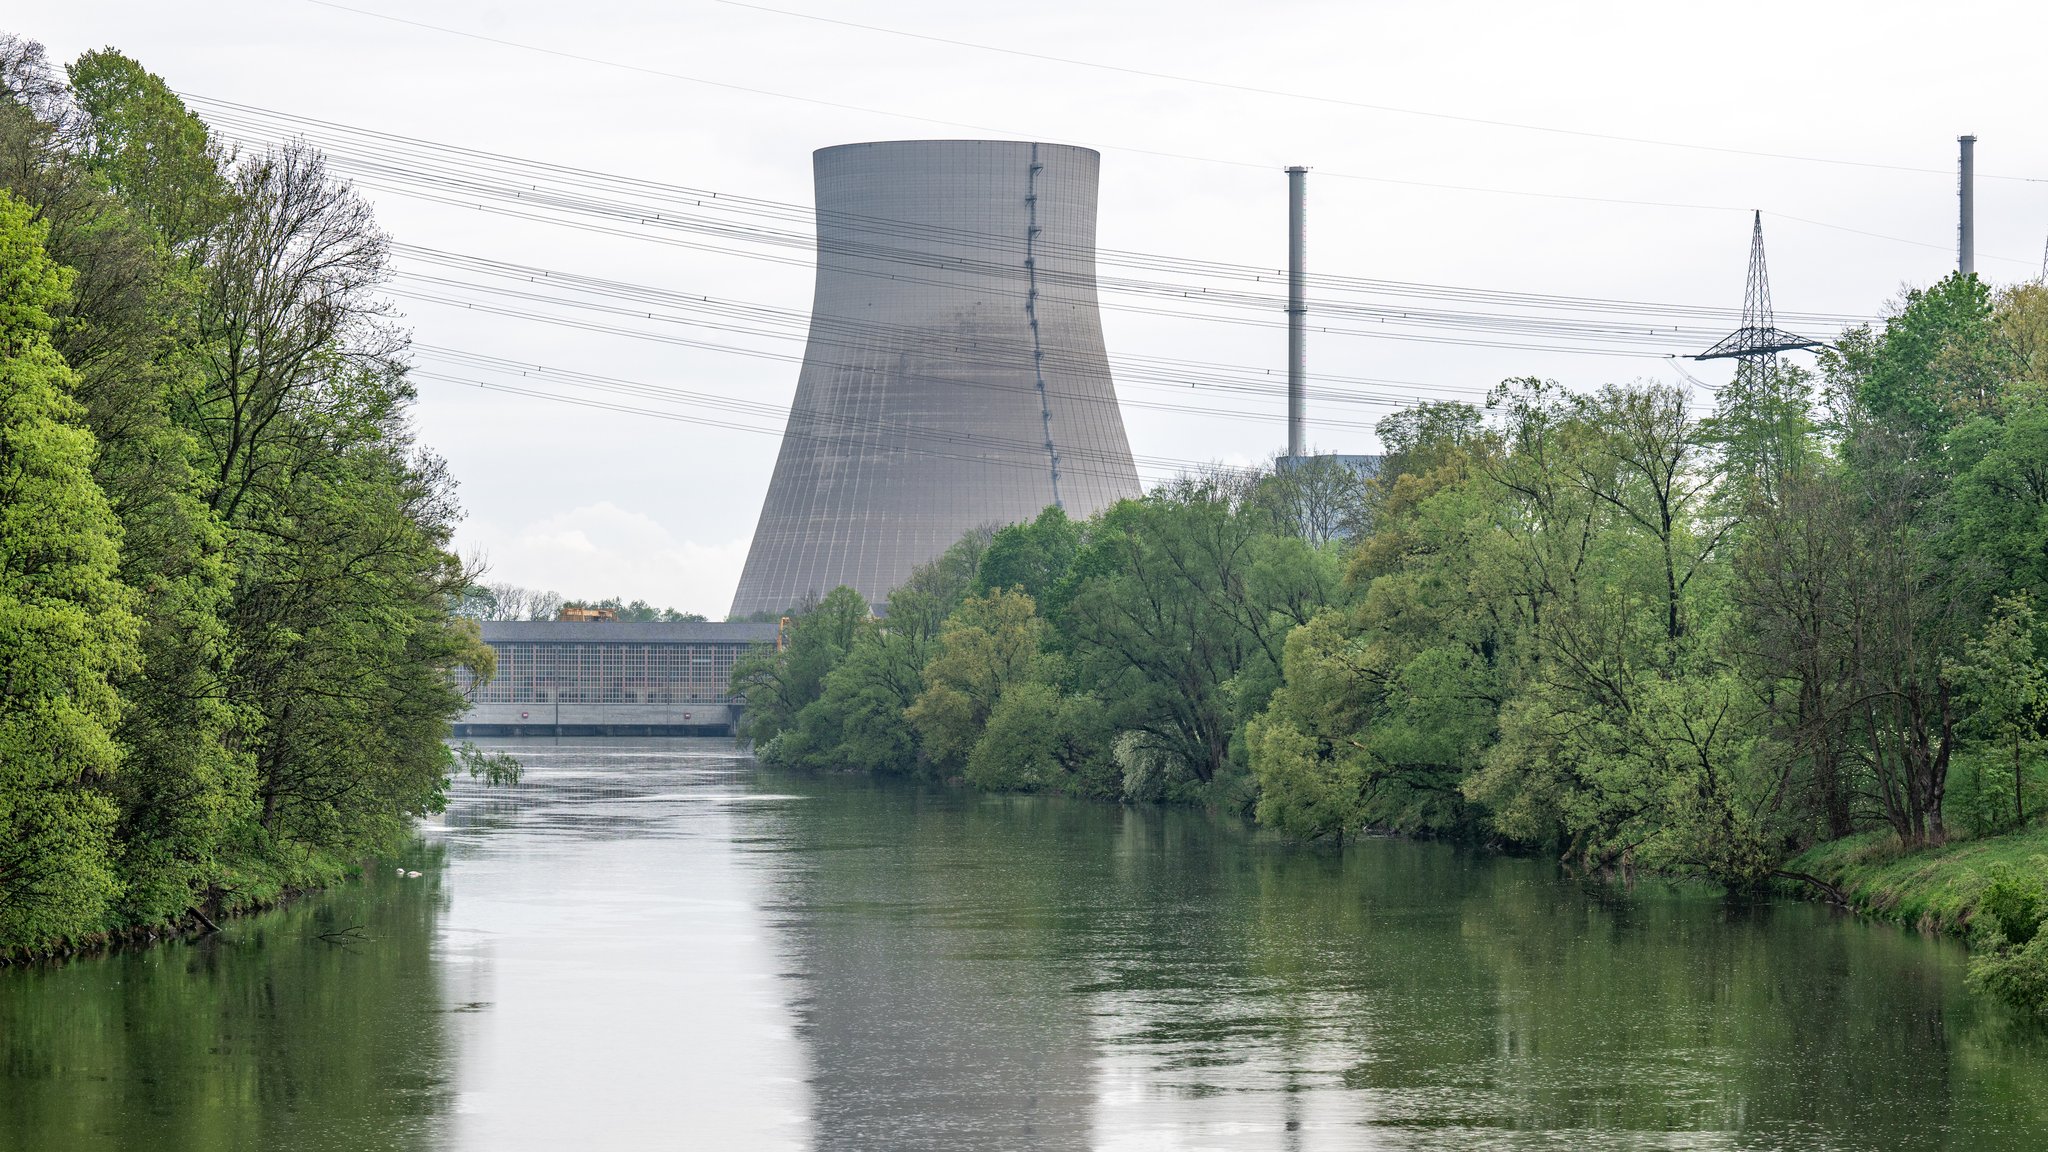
(609,673)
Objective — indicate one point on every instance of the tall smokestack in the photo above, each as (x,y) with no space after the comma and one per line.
(1297,311)
(1966,226)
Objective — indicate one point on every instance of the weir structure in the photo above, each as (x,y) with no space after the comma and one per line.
(577,678)
(954,375)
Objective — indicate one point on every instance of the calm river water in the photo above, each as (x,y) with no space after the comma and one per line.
(655,944)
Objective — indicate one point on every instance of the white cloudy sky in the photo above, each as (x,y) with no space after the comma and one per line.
(593,503)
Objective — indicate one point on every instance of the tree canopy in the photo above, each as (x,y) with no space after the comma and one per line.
(226,593)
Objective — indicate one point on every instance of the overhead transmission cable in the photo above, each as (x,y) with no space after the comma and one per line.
(1164,374)
(784,322)
(1636,330)
(842,106)
(1339,101)
(1252,164)
(824,429)
(796,323)
(274,126)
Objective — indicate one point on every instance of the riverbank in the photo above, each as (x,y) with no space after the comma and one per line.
(865,959)
(242,891)
(1934,890)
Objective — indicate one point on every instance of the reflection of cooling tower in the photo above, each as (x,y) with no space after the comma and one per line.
(955,374)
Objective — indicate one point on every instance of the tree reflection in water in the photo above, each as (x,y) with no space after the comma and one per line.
(652,944)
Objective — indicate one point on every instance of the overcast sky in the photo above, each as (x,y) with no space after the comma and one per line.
(592,503)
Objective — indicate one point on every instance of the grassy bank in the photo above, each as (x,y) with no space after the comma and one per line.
(244,889)
(1932,889)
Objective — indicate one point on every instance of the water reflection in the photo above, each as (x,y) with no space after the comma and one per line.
(604,915)
(267,1036)
(653,944)
(973,968)
(929,971)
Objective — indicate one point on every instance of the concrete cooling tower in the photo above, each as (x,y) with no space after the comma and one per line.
(955,374)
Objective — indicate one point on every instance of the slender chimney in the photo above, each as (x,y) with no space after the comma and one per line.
(1966,225)
(1297,312)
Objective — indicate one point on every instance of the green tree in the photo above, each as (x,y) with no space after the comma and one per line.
(1764,428)
(1314,770)
(1034,558)
(125,332)
(2000,497)
(989,644)
(1390,699)
(861,719)
(1181,606)
(778,683)
(1039,738)
(1913,601)
(148,149)
(1927,368)
(1794,586)
(2006,683)
(65,627)
(340,627)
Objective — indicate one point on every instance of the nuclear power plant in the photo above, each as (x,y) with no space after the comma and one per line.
(954,374)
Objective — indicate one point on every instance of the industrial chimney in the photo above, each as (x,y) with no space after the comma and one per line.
(1966,222)
(1297,312)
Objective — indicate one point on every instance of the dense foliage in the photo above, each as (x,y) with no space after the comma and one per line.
(225,580)
(1610,625)
(1120,657)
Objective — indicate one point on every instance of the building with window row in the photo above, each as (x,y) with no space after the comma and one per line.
(572,678)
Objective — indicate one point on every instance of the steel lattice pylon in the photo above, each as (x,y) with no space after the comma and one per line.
(1759,335)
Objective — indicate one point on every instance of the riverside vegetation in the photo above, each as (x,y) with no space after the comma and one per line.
(1797,640)
(226,590)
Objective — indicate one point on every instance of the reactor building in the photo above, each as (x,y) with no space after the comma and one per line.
(954,374)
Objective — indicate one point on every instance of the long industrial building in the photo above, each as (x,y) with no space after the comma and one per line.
(954,375)
(566,678)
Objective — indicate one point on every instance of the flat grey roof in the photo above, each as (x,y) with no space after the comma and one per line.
(598,632)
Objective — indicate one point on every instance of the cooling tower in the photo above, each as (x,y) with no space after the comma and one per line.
(954,375)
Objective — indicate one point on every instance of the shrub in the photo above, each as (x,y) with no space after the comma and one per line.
(2014,900)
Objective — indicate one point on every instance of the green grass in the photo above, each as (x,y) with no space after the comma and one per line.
(1932,889)
(245,885)
(256,884)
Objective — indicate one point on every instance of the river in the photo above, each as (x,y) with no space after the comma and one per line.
(657,944)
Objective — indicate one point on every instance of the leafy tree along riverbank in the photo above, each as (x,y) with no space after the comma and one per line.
(225,584)
(1603,625)
(1631,632)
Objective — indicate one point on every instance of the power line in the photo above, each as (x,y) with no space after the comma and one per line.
(668,207)
(482,176)
(842,106)
(1682,338)
(1339,101)
(1156,381)
(795,323)
(840,428)
(1166,373)
(1674,339)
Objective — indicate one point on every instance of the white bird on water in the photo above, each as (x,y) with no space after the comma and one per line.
(412,875)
